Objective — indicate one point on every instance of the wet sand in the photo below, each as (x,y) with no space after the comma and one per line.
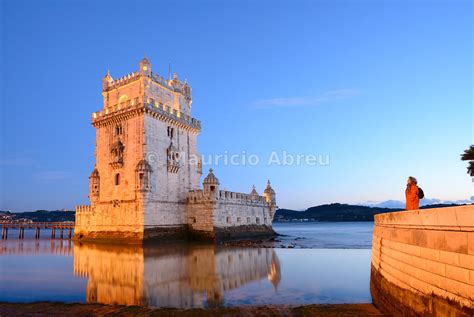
(60,309)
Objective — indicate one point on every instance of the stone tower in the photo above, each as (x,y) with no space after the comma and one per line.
(145,182)
(146,158)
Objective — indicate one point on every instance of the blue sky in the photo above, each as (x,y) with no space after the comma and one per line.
(384,88)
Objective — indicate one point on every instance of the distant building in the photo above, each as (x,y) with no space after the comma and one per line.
(146,180)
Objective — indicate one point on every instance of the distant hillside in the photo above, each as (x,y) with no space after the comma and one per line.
(332,212)
(340,212)
(39,216)
(424,202)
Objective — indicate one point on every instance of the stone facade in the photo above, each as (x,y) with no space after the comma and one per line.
(146,180)
(423,262)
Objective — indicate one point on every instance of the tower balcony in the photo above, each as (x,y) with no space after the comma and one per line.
(156,108)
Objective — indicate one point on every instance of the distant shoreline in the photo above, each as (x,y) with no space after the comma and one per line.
(323,213)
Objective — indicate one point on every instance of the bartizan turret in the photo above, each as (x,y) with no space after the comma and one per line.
(94,186)
(145,67)
(211,185)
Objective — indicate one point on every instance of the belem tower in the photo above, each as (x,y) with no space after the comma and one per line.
(146,180)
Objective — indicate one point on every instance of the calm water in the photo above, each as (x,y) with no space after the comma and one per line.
(186,276)
(327,235)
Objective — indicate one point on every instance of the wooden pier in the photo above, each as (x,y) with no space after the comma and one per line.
(54,226)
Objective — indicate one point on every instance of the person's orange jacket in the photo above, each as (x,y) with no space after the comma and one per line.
(413,201)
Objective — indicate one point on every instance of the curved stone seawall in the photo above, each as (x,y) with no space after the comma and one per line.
(423,262)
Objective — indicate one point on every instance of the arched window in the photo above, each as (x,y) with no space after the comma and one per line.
(117,179)
(170,132)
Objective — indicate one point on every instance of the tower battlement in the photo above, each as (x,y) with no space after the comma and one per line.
(173,83)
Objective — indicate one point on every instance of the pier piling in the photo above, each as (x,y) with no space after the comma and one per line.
(22,226)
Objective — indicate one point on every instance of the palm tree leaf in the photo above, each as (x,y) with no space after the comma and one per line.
(468,154)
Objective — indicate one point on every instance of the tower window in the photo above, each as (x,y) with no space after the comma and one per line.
(118,129)
(117,179)
(170,132)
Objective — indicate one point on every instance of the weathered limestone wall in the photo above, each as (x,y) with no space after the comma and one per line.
(106,222)
(117,210)
(132,139)
(229,214)
(423,262)
(165,203)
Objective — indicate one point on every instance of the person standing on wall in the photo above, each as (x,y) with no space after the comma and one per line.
(413,194)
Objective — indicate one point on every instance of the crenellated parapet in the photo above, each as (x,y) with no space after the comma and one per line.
(198,196)
(84,209)
(214,212)
(124,80)
(211,192)
(173,84)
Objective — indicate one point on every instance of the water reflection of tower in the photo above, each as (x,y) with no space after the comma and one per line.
(274,276)
(170,276)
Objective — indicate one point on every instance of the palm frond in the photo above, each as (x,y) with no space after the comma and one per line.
(470,168)
(468,154)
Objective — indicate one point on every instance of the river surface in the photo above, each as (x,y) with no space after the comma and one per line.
(332,267)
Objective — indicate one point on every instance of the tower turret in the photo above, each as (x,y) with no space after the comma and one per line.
(106,81)
(211,184)
(269,194)
(145,67)
(94,186)
(253,193)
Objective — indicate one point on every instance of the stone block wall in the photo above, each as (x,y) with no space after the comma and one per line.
(122,221)
(231,211)
(423,262)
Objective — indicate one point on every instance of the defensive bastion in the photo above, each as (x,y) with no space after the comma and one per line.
(423,262)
